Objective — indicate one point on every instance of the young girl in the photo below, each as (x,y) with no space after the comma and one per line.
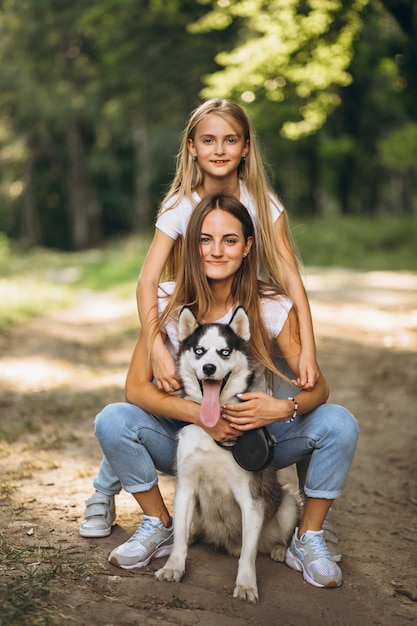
(139,437)
(219,154)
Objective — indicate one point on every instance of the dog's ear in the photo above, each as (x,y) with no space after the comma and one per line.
(186,323)
(240,323)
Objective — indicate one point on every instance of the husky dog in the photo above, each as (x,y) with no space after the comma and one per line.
(215,498)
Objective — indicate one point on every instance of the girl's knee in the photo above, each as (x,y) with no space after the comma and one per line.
(106,421)
(347,420)
(344,424)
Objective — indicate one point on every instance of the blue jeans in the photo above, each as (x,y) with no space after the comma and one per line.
(137,444)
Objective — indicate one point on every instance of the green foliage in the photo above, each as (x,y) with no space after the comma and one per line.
(287,50)
(87,89)
(399,149)
(94,96)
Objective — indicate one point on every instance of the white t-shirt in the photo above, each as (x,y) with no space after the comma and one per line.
(275,310)
(174,222)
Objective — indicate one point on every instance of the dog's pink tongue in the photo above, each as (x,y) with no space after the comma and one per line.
(210,407)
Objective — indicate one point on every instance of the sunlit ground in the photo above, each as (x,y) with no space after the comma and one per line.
(379,308)
(89,321)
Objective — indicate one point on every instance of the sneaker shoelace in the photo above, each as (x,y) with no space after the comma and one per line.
(318,546)
(145,530)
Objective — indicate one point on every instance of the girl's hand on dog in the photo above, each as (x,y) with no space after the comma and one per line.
(164,371)
(223,431)
(256,409)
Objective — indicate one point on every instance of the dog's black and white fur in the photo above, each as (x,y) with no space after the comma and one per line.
(214,496)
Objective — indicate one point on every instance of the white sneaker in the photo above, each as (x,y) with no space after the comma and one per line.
(151,540)
(309,554)
(99,516)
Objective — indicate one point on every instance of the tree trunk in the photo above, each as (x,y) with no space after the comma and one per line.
(30,230)
(142,204)
(407,192)
(84,208)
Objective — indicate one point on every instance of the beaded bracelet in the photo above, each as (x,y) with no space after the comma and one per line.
(294,415)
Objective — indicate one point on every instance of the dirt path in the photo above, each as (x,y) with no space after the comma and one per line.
(58,371)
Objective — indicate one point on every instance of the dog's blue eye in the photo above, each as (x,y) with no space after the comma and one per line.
(225,352)
(199,351)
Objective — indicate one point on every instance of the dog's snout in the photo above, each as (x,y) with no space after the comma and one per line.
(209,369)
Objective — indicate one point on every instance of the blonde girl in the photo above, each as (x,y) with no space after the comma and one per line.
(219,154)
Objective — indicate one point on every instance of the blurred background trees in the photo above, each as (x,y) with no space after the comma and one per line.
(94,96)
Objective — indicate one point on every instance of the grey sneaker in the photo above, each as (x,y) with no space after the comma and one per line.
(151,540)
(99,516)
(309,554)
(332,541)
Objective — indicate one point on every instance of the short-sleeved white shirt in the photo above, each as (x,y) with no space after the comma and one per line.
(174,222)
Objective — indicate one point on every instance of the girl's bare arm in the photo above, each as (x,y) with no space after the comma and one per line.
(308,367)
(147,302)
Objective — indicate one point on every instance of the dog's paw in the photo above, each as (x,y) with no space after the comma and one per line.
(171,575)
(278,553)
(250,594)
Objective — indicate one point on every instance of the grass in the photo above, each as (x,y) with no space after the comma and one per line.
(358,243)
(33,281)
(28,572)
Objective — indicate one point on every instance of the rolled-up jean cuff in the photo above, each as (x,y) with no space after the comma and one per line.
(325,495)
(106,492)
(140,487)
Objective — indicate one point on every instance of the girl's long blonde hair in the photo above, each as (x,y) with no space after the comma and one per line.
(189,176)
(193,287)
